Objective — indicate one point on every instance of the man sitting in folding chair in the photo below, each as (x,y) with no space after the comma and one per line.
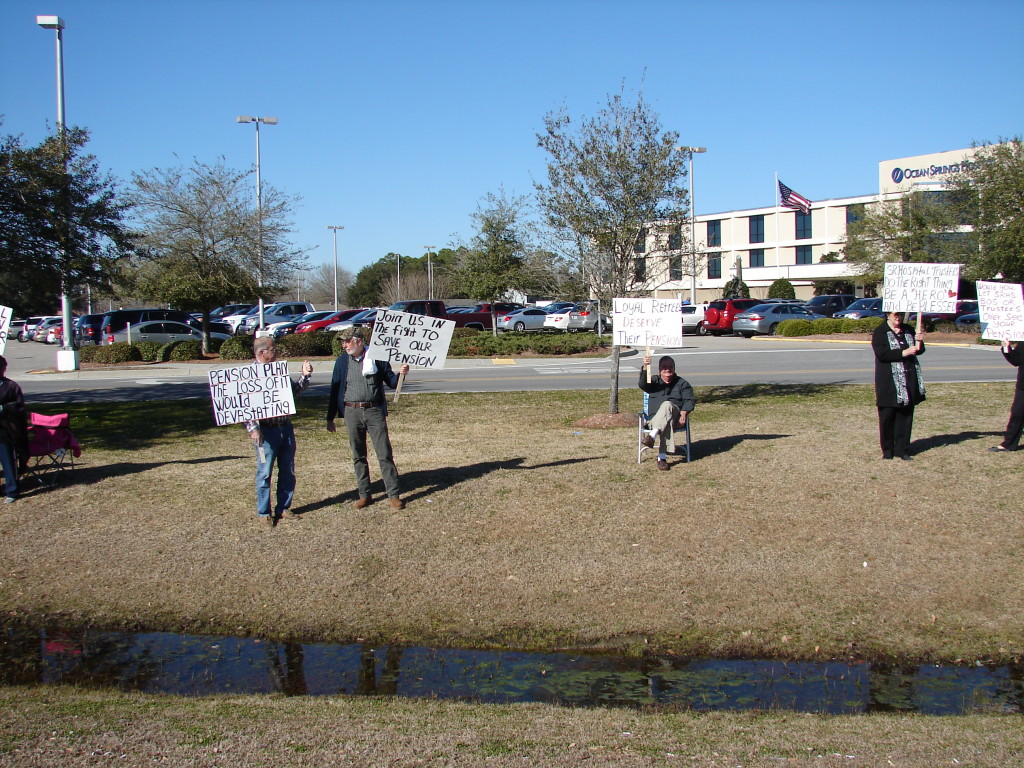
(669,403)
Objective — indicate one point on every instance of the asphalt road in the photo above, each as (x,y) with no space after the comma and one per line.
(705,361)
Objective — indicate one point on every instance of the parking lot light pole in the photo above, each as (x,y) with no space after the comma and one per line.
(67,358)
(335,230)
(693,224)
(259,208)
(430,273)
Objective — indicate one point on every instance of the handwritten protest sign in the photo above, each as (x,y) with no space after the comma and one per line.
(647,323)
(1001,306)
(6,313)
(416,340)
(251,392)
(916,287)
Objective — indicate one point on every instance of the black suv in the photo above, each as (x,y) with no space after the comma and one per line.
(829,305)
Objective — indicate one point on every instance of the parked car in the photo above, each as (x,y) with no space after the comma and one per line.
(281,312)
(86,330)
(830,304)
(719,315)
(457,310)
(693,319)
(554,306)
(229,309)
(236,319)
(277,330)
(765,318)
(587,318)
(525,319)
(160,331)
(44,326)
(120,319)
(862,308)
(28,329)
(359,320)
(963,307)
(559,320)
(966,321)
(216,326)
(55,334)
(332,317)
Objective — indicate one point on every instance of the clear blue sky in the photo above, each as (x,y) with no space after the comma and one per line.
(396,116)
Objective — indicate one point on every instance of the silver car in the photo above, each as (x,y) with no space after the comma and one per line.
(162,332)
(587,318)
(765,318)
(525,319)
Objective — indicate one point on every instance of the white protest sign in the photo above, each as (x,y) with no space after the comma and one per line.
(6,313)
(416,340)
(917,287)
(1001,306)
(647,323)
(251,392)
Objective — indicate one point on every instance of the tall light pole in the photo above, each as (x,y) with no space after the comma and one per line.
(398,277)
(259,207)
(67,358)
(335,230)
(430,273)
(691,151)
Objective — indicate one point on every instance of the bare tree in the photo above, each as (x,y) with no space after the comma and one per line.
(611,178)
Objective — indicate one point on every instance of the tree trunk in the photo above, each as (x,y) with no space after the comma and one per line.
(613,395)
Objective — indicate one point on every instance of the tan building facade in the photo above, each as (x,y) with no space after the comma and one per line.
(765,244)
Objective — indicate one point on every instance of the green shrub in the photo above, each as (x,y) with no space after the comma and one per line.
(87,354)
(121,352)
(237,348)
(148,350)
(868,324)
(781,289)
(336,346)
(827,325)
(187,350)
(313,344)
(794,328)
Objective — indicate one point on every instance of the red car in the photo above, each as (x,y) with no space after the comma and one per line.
(334,317)
(720,313)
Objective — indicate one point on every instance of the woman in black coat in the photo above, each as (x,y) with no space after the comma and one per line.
(1014,355)
(898,383)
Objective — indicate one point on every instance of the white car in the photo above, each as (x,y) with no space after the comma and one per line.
(693,319)
(559,321)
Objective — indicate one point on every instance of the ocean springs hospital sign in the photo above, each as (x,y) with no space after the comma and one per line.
(929,171)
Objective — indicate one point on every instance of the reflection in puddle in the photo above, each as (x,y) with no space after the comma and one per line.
(199,665)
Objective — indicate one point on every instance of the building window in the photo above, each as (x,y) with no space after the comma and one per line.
(641,242)
(803,254)
(675,240)
(756,229)
(675,268)
(756,257)
(854,213)
(803,225)
(714,266)
(640,270)
(715,233)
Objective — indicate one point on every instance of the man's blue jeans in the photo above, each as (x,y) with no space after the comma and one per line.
(278,446)
(9,464)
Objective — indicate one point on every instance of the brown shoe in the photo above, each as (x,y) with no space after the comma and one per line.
(647,441)
(289,515)
(397,503)
(267,521)
(663,465)
(364,501)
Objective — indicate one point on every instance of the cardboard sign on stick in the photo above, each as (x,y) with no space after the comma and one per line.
(647,323)
(6,313)
(402,338)
(251,392)
(1001,306)
(917,287)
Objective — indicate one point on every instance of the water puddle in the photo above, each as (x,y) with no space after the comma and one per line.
(201,665)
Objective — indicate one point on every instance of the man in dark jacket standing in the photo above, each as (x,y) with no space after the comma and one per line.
(357,396)
(670,400)
(1014,354)
(13,433)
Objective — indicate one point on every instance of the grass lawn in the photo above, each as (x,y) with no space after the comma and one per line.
(787,537)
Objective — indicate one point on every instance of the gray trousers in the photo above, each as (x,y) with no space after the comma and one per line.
(359,422)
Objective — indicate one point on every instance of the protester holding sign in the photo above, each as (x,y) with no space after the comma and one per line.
(274,440)
(1014,354)
(898,383)
(671,399)
(13,433)
(357,396)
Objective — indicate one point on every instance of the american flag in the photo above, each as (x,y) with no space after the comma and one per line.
(794,200)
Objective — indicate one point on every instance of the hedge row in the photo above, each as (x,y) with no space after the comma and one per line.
(141,351)
(828,325)
(469,343)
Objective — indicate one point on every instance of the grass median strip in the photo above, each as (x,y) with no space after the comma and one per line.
(787,537)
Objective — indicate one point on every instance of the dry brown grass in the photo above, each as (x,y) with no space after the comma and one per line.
(63,727)
(788,536)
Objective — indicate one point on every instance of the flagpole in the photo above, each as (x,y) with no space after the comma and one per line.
(778,261)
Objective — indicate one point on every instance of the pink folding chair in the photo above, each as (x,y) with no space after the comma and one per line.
(52,447)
